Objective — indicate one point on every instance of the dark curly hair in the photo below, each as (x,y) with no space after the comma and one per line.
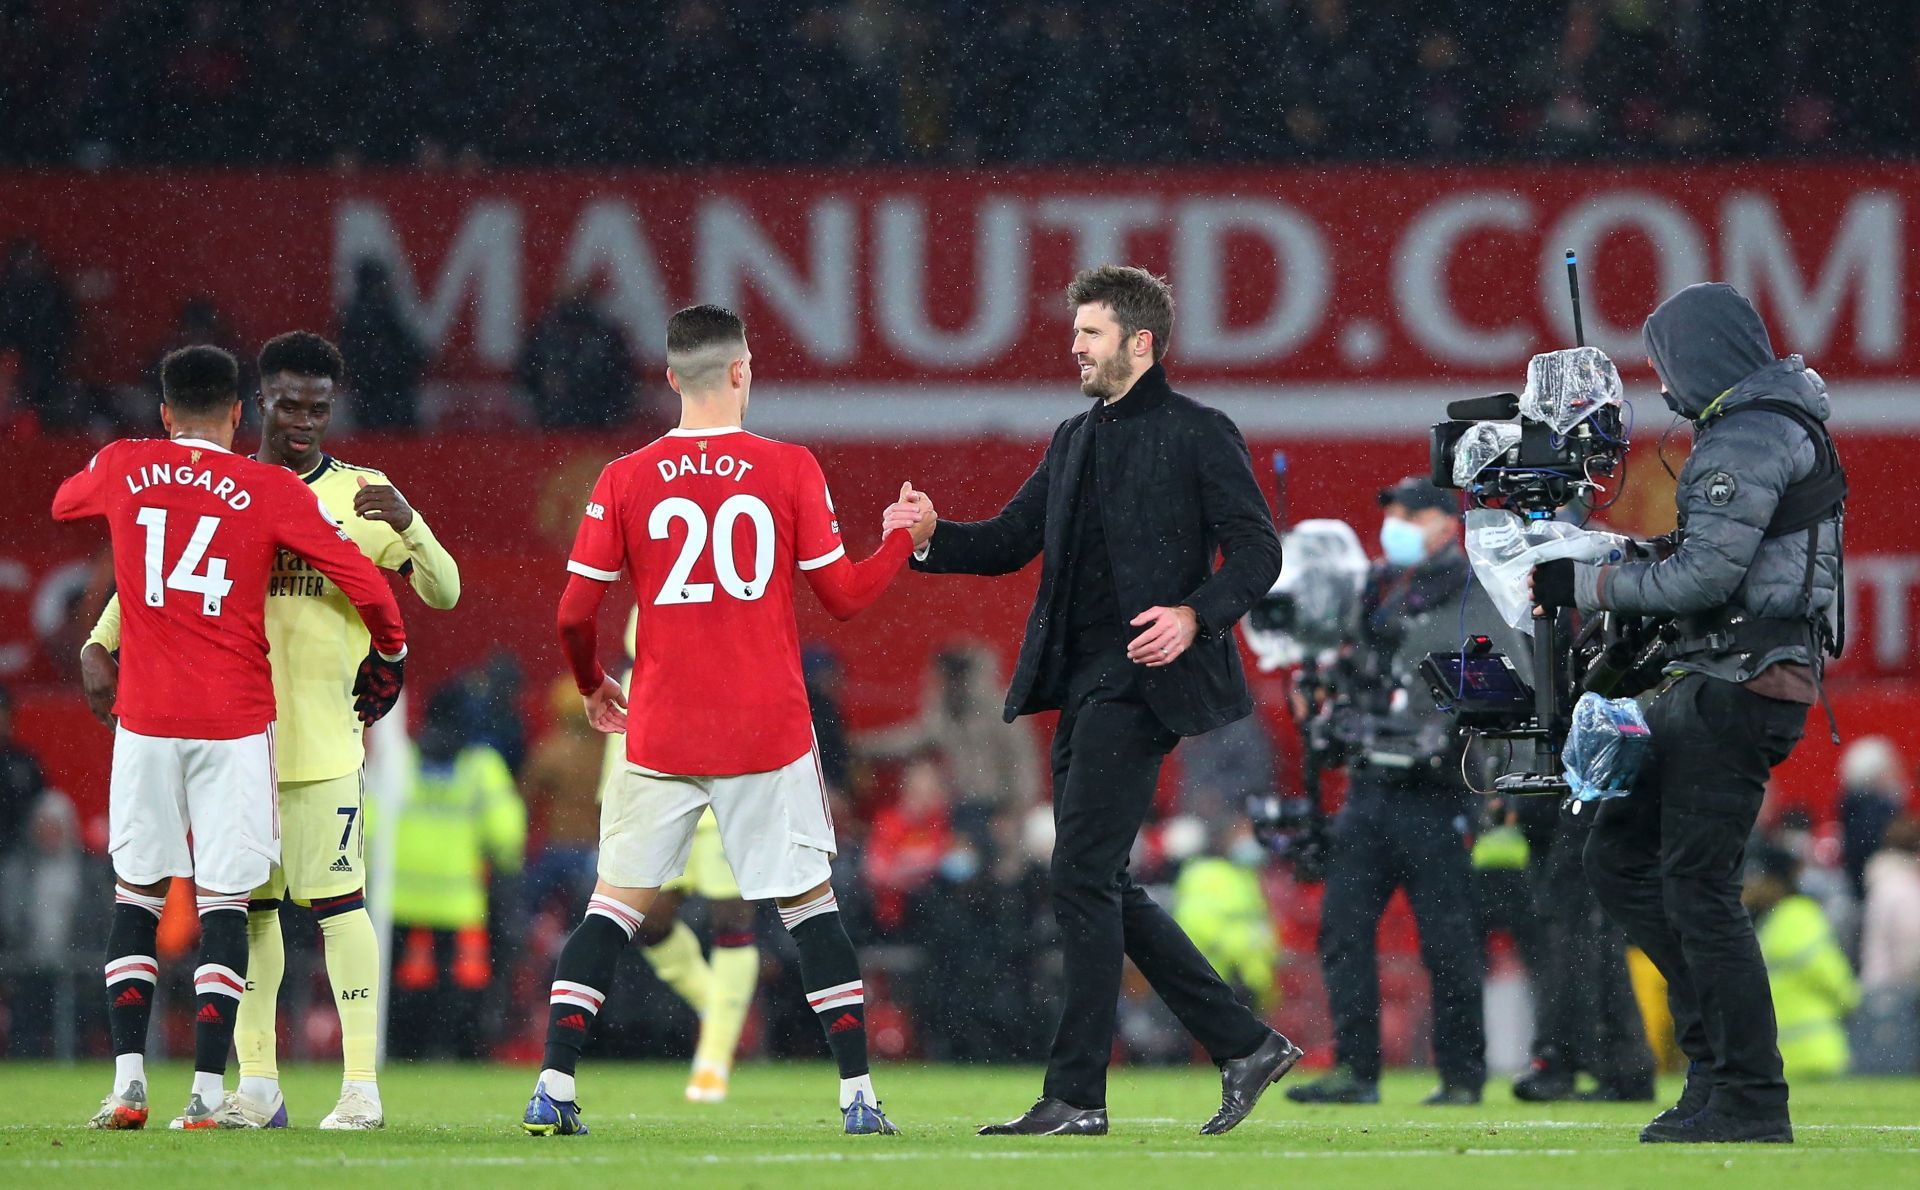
(302,353)
(199,379)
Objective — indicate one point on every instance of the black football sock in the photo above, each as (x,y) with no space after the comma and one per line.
(581,979)
(830,972)
(220,979)
(131,968)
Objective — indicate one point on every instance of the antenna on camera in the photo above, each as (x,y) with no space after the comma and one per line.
(1573,288)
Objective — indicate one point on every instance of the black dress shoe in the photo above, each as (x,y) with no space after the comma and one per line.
(1693,1101)
(1543,1083)
(1053,1117)
(1709,1127)
(1244,1080)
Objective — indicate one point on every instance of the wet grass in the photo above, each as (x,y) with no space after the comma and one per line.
(458,1126)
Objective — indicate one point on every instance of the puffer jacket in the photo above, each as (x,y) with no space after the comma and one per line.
(1713,353)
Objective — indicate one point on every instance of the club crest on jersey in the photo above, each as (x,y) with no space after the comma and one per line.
(195,455)
(724,466)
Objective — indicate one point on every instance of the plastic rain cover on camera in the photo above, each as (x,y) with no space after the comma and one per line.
(1504,549)
(1483,442)
(1326,568)
(1606,745)
(1564,388)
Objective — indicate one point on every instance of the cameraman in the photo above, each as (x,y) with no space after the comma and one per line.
(1751,586)
(1408,814)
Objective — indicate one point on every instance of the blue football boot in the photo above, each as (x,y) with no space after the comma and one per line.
(866,1119)
(547,1116)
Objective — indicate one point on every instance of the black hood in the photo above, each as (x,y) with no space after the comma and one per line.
(1703,341)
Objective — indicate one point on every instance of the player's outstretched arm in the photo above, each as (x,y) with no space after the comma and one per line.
(579,640)
(848,588)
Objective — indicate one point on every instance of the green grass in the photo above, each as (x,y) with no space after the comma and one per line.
(458,1126)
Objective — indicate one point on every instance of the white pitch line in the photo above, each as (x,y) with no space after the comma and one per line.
(1068,1152)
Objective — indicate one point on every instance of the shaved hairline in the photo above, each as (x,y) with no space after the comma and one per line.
(704,368)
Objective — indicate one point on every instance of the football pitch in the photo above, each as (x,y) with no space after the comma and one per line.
(459,1126)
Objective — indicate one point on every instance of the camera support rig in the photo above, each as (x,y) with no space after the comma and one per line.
(1541,472)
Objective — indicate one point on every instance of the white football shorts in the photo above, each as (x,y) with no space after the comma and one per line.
(776,827)
(221,792)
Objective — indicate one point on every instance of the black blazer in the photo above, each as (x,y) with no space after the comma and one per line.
(1176,487)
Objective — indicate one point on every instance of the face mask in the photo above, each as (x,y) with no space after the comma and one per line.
(1403,542)
(1673,403)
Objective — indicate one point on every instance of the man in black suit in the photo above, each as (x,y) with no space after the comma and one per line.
(1131,639)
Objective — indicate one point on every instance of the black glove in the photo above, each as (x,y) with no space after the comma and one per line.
(1309,854)
(1553,583)
(377,686)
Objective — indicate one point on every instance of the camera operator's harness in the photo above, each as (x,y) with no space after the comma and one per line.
(1807,504)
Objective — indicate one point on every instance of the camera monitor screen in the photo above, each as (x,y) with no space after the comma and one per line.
(1479,687)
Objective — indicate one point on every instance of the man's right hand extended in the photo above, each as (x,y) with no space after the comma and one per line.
(912,512)
(100,677)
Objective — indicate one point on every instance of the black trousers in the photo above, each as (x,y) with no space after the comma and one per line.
(1388,836)
(1107,753)
(1665,863)
(1585,1015)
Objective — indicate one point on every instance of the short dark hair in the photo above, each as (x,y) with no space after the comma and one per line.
(698,327)
(302,353)
(1139,300)
(199,379)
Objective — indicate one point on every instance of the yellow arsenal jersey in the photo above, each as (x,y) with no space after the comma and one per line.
(315,636)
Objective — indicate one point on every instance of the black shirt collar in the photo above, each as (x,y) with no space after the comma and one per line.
(1148,391)
(320,468)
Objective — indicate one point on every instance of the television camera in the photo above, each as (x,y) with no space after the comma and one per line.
(1523,459)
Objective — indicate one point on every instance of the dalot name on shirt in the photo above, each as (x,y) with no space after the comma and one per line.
(724,466)
(222,487)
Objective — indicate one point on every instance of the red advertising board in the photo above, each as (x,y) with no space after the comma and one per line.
(910,324)
(891,282)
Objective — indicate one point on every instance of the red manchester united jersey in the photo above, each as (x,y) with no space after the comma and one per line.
(712,525)
(195,528)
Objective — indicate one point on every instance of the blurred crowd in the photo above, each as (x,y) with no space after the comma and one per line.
(470,83)
(576,370)
(945,834)
(451,82)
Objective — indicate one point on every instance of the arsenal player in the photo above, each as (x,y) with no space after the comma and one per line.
(712,523)
(195,530)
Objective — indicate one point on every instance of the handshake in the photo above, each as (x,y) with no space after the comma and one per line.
(912,512)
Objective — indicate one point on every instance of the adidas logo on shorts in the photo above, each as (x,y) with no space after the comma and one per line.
(343,864)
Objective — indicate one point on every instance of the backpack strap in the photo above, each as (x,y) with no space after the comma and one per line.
(1808,503)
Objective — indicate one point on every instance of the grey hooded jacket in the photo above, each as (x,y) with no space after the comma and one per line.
(1713,352)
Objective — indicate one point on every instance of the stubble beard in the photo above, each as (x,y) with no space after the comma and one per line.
(1109,378)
